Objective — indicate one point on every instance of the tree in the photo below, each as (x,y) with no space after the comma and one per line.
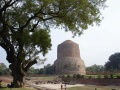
(2,68)
(25,27)
(114,62)
(33,71)
(95,68)
(42,71)
(49,69)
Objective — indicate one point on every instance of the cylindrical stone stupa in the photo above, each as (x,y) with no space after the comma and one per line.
(68,59)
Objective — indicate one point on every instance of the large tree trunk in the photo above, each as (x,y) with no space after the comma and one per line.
(18,75)
(18,81)
(18,72)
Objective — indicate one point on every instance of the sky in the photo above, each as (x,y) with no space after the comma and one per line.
(96,43)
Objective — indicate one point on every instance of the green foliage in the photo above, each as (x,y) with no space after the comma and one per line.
(68,76)
(82,76)
(3,69)
(95,68)
(114,62)
(25,25)
(47,78)
(33,71)
(42,71)
(112,76)
(78,76)
(74,75)
(99,76)
(63,76)
(106,76)
(90,77)
(48,69)
(118,76)
(95,88)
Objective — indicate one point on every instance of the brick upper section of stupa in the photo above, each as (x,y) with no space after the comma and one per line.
(68,49)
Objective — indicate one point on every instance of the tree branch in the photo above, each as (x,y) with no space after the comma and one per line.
(7,4)
(4,46)
(30,64)
(30,19)
(9,49)
(34,26)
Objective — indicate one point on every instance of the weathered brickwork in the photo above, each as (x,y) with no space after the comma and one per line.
(68,59)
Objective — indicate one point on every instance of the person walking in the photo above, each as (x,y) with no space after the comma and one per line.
(65,86)
(61,86)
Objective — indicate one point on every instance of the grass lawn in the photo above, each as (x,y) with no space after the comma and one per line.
(92,87)
(49,78)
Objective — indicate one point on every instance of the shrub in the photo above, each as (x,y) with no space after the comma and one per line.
(99,76)
(82,76)
(90,77)
(118,76)
(63,76)
(68,76)
(78,75)
(95,88)
(106,76)
(112,76)
(74,75)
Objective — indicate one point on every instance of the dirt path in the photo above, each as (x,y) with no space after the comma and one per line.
(51,86)
(6,79)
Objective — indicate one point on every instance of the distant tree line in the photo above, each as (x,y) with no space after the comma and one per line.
(46,70)
(112,65)
(95,69)
(4,70)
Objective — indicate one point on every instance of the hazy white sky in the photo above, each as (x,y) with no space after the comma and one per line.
(96,44)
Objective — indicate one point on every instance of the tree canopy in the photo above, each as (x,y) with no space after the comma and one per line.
(114,62)
(95,68)
(25,27)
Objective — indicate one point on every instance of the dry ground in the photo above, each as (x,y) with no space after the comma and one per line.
(58,86)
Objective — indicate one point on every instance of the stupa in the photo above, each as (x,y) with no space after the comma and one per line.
(68,59)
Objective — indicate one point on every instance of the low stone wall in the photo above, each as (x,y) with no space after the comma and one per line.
(115,82)
(102,82)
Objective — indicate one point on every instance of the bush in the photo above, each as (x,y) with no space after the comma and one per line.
(74,75)
(78,75)
(63,76)
(112,76)
(90,77)
(68,76)
(106,76)
(99,76)
(118,76)
(82,76)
